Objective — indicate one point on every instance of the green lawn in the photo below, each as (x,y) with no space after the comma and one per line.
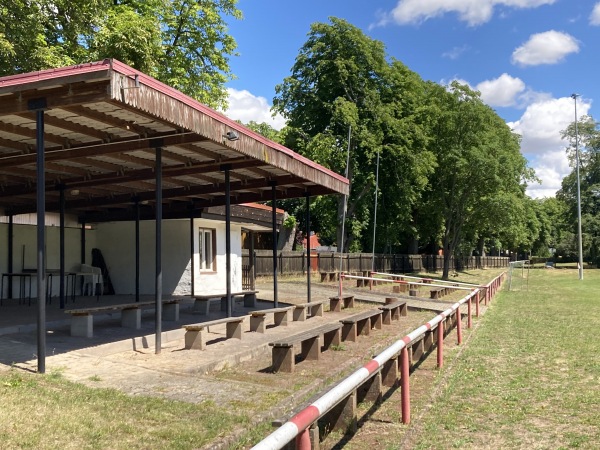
(527,377)
(49,412)
(530,375)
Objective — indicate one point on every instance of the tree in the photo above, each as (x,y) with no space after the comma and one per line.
(479,167)
(183,43)
(589,147)
(342,81)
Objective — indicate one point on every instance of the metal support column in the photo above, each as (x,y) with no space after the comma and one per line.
(61,234)
(82,239)
(226,169)
(137,248)
(274,227)
(252,262)
(192,264)
(158,244)
(11,240)
(41,234)
(307,246)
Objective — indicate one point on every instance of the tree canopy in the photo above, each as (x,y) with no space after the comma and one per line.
(448,163)
(343,87)
(588,142)
(183,43)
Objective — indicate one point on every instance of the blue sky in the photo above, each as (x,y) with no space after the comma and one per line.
(525,56)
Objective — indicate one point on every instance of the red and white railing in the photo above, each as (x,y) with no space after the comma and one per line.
(298,426)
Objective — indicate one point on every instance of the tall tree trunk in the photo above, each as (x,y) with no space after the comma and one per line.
(481,246)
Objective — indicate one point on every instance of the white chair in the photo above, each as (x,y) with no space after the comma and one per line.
(93,284)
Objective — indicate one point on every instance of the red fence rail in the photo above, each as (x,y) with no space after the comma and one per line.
(298,427)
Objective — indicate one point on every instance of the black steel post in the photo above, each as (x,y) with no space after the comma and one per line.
(61,232)
(227,168)
(82,241)
(192,264)
(11,241)
(41,241)
(158,243)
(252,261)
(137,248)
(274,227)
(308,247)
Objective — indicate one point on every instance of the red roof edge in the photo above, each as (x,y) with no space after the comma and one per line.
(265,207)
(124,69)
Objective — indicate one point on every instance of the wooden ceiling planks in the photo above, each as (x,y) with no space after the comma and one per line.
(102,130)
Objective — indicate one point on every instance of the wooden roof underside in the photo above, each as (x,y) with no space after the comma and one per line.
(102,130)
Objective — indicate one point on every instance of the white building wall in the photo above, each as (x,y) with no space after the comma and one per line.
(116,241)
(215,282)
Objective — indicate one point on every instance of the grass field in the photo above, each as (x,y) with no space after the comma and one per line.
(530,375)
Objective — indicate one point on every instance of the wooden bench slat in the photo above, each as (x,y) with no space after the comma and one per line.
(200,326)
(294,339)
(194,332)
(361,316)
(283,353)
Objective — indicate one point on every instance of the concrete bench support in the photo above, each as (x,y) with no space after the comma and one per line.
(342,417)
(389,372)
(194,334)
(283,356)
(171,311)
(258,318)
(302,311)
(360,324)
(335,303)
(131,318)
(82,325)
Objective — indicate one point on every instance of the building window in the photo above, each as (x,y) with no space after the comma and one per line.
(207,249)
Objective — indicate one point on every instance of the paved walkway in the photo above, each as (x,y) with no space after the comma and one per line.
(126,359)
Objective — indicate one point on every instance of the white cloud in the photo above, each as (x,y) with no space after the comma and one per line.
(540,127)
(595,16)
(455,52)
(549,47)
(550,168)
(245,106)
(474,12)
(502,91)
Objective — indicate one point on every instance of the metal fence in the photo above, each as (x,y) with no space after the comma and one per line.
(290,263)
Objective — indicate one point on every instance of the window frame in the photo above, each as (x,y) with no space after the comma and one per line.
(211,262)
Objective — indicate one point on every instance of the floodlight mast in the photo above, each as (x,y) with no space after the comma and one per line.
(579,238)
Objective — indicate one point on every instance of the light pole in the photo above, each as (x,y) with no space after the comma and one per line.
(579,243)
(375,214)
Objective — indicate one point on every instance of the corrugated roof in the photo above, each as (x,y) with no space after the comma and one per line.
(103,123)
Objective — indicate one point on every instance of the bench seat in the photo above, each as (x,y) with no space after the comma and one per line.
(257,318)
(202,301)
(194,333)
(313,309)
(437,293)
(393,311)
(82,319)
(361,323)
(335,303)
(329,276)
(284,356)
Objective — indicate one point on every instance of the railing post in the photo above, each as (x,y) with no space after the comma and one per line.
(477,303)
(440,345)
(469,322)
(458,326)
(405,385)
(303,440)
